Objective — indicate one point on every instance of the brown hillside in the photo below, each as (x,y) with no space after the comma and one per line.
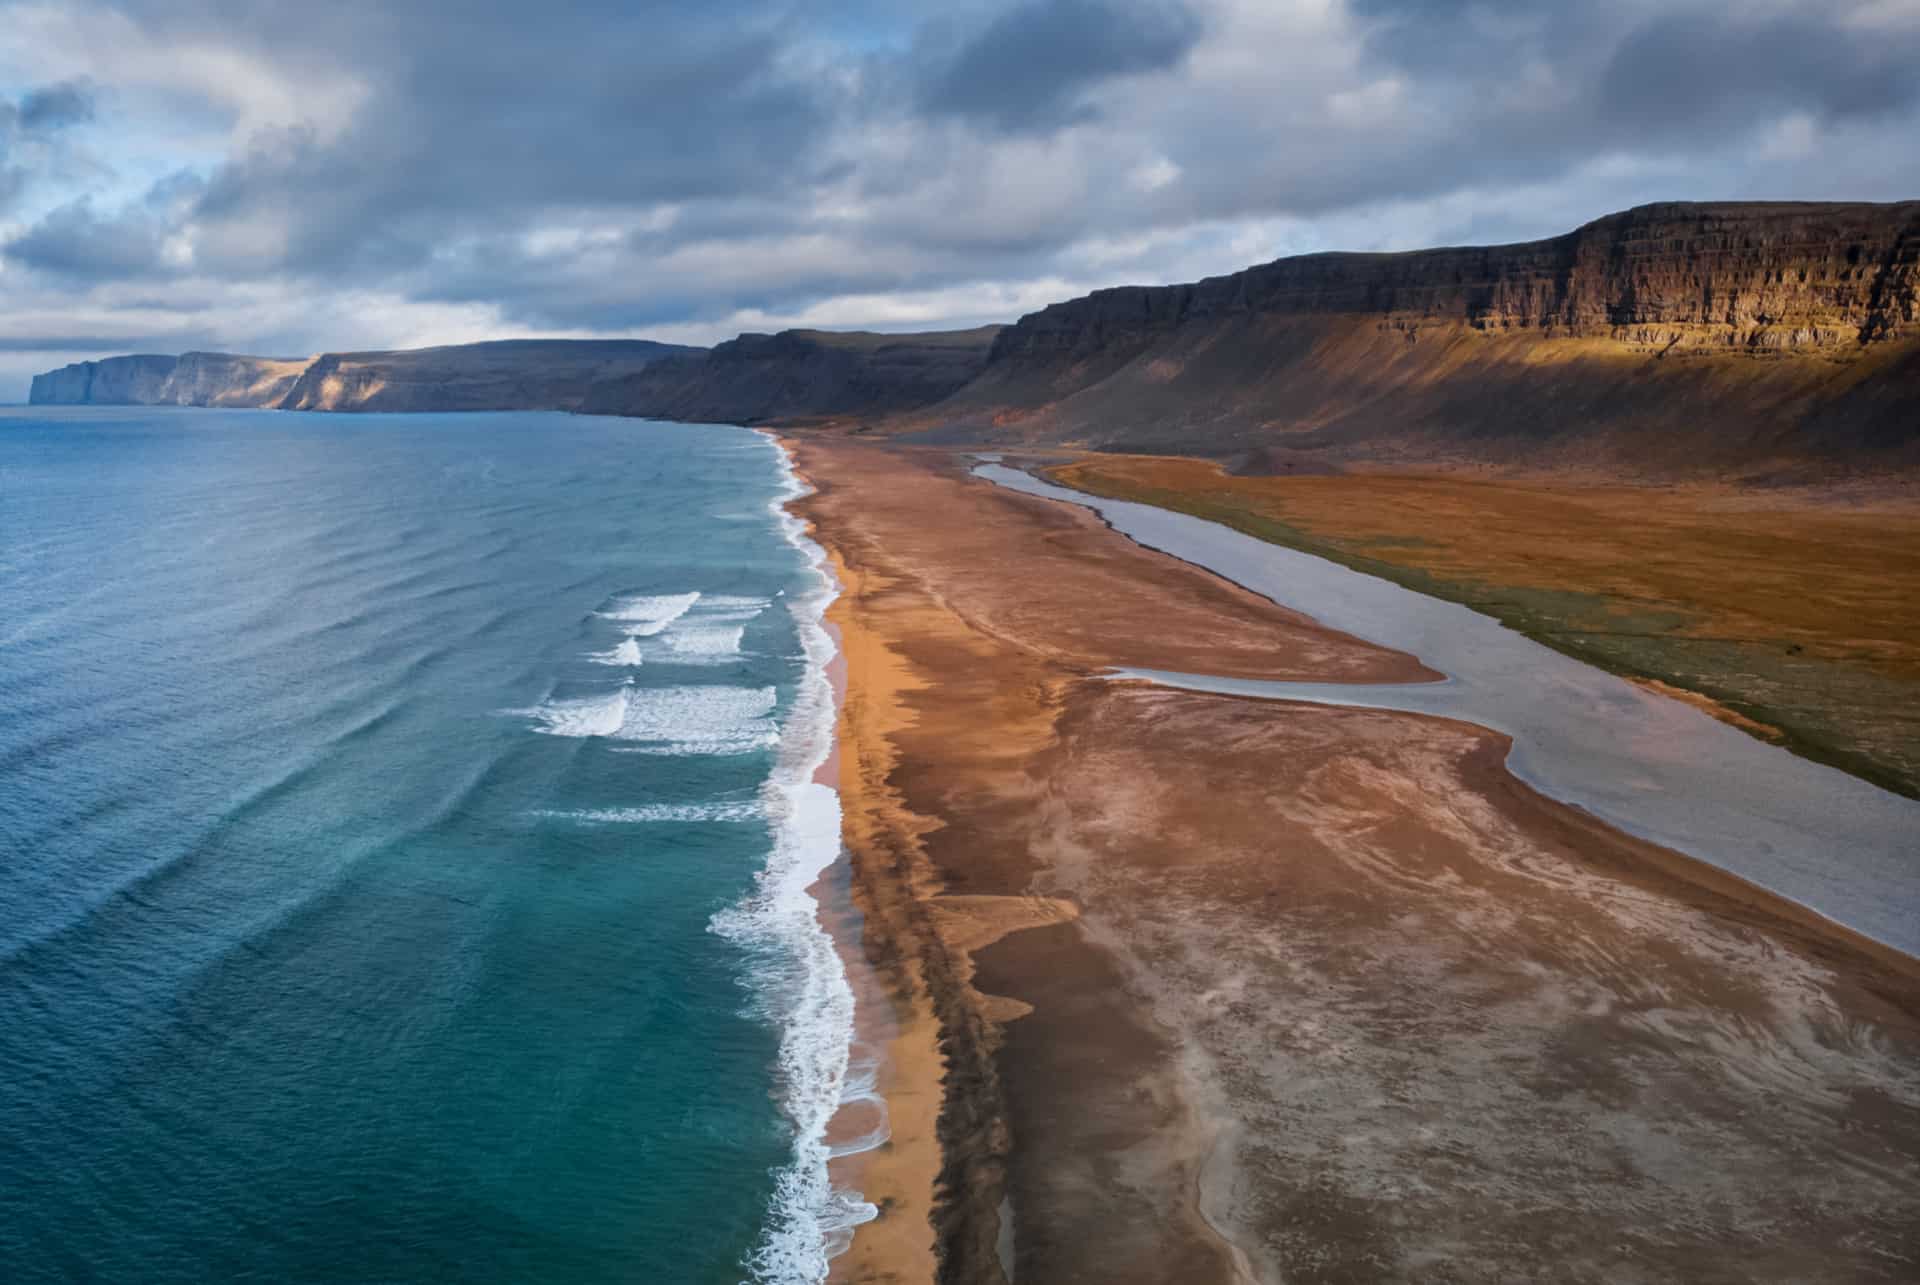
(1667,337)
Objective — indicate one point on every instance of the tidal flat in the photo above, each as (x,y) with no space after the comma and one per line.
(1794,613)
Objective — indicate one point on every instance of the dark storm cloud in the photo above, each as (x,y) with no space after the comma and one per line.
(1673,70)
(1681,72)
(74,241)
(27,124)
(1033,64)
(588,108)
(1481,37)
(54,106)
(1501,92)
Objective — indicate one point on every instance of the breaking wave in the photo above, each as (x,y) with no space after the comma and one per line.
(803,983)
(667,720)
(627,653)
(706,640)
(655,812)
(582,716)
(646,615)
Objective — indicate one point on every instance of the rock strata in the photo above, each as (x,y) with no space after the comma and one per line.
(1765,276)
(1668,338)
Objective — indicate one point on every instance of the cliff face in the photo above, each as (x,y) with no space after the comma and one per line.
(191,379)
(755,378)
(1733,330)
(1759,276)
(800,374)
(512,374)
(530,374)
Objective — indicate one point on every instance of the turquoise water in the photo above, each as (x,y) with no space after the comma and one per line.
(399,867)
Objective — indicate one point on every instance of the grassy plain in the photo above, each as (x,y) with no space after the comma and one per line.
(1793,614)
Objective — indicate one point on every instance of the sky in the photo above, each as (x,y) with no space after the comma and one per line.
(280,177)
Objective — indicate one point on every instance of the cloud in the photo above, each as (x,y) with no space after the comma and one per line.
(27,129)
(438,170)
(1032,67)
(54,106)
(75,241)
(1683,72)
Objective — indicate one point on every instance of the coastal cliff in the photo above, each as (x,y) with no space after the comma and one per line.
(191,379)
(510,374)
(1753,340)
(1737,330)
(1733,276)
(755,378)
(801,374)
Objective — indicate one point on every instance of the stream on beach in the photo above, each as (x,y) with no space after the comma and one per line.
(1650,765)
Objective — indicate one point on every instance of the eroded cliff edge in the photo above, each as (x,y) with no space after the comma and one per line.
(1663,335)
(508,374)
(191,379)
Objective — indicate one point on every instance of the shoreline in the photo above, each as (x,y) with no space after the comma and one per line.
(1053,911)
(791,915)
(888,1072)
(880,1138)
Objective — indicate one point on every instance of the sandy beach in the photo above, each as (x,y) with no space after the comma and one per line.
(1182,986)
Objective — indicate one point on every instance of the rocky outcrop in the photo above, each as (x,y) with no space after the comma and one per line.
(1718,332)
(513,374)
(801,375)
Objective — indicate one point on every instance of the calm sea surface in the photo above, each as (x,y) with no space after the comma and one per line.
(391,880)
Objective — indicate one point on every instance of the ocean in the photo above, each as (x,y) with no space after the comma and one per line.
(406,825)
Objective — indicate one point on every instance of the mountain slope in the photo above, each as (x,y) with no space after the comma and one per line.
(1666,335)
(801,374)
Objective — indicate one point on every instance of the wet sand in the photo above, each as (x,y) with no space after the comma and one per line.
(1198,987)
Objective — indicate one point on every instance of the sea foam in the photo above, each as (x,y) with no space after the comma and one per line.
(645,615)
(739,810)
(701,720)
(715,629)
(802,982)
(627,653)
(667,720)
(706,640)
(602,715)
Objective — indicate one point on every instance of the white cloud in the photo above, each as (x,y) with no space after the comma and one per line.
(1153,174)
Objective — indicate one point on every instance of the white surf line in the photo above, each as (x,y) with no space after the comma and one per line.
(1651,766)
(583,716)
(647,614)
(807,989)
(653,813)
(627,653)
